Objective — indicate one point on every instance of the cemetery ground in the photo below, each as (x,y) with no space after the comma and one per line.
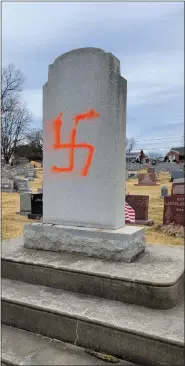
(13,224)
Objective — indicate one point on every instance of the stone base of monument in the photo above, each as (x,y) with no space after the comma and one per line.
(123,244)
(133,311)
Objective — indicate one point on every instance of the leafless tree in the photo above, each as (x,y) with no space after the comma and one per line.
(130,144)
(15,117)
(12,81)
(14,125)
(35,139)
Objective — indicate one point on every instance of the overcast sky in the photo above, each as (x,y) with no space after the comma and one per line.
(146,37)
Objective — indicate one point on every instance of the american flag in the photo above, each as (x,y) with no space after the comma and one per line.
(129,214)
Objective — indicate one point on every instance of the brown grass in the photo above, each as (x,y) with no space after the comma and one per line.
(13,224)
(172,230)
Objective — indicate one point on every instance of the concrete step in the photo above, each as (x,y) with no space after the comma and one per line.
(136,334)
(20,347)
(155,280)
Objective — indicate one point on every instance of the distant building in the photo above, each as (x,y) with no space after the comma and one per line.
(133,157)
(176,154)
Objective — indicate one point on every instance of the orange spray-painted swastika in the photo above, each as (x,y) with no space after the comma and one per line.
(72,145)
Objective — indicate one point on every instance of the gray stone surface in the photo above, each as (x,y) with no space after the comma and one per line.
(160,265)
(179,180)
(25,202)
(7,185)
(136,333)
(21,185)
(122,282)
(79,81)
(176,174)
(25,348)
(122,245)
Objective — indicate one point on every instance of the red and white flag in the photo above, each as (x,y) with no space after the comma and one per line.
(129,214)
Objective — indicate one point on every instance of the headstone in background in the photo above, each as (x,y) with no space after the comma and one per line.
(151,170)
(164,191)
(25,203)
(178,188)
(21,185)
(84,152)
(179,180)
(132,175)
(30,172)
(174,210)
(176,174)
(20,170)
(147,179)
(36,206)
(140,204)
(7,185)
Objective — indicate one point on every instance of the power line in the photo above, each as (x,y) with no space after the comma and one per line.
(161,138)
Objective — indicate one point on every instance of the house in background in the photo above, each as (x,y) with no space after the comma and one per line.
(134,157)
(175,154)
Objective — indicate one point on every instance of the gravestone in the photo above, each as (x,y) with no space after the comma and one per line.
(164,191)
(84,113)
(176,174)
(7,185)
(36,206)
(151,170)
(30,172)
(20,170)
(25,203)
(146,179)
(140,205)
(173,210)
(21,185)
(179,180)
(178,188)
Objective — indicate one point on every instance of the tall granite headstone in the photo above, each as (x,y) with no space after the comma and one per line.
(84,178)
(84,120)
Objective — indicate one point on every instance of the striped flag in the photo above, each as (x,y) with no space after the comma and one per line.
(129,214)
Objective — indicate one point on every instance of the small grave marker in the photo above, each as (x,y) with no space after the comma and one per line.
(164,191)
(140,205)
(147,179)
(178,188)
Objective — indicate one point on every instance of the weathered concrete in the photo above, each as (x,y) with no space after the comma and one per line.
(80,81)
(124,244)
(20,347)
(155,280)
(138,334)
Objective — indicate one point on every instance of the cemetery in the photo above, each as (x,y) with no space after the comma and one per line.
(72,270)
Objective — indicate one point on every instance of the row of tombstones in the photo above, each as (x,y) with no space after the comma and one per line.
(11,180)
(150,178)
(31,204)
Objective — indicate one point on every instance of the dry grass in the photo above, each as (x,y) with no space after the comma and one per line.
(13,224)
(172,230)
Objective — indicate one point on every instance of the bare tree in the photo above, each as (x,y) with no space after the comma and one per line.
(35,140)
(15,117)
(12,81)
(130,144)
(14,125)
